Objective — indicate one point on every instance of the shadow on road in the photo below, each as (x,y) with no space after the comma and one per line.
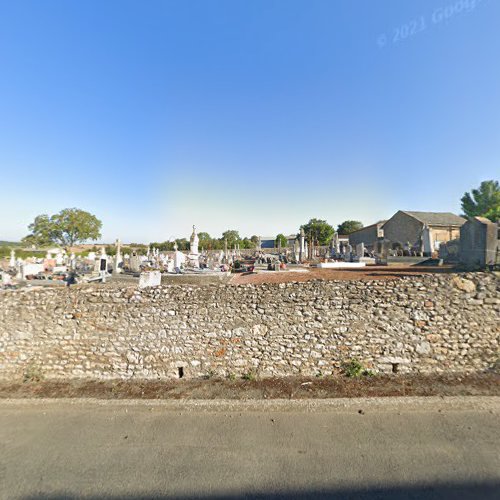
(489,490)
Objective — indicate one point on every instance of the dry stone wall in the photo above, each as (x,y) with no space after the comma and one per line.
(432,323)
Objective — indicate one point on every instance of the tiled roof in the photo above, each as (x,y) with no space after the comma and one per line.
(437,218)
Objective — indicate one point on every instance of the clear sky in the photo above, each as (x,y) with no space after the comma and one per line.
(250,115)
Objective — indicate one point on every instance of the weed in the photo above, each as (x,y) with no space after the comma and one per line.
(210,374)
(32,373)
(353,369)
(250,375)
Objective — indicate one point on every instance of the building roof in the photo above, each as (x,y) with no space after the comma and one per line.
(482,220)
(368,227)
(437,218)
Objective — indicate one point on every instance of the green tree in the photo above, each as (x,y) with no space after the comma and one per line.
(205,241)
(41,232)
(182,244)
(232,236)
(483,202)
(318,231)
(247,243)
(281,238)
(67,228)
(349,226)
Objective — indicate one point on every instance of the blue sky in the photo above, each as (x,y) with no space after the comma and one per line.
(249,115)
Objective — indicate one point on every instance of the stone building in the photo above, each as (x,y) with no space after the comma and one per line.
(367,235)
(422,229)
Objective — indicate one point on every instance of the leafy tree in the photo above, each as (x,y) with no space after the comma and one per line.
(281,238)
(166,246)
(349,226)
(205,241)
(232,236)
(247,243)
(182,244)
(254,239)
(318,231)
(483,202)
(41,229)
(67,228)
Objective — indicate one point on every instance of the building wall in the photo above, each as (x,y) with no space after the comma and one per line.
(445,234)
(433,323)
(368,235)
(401,228)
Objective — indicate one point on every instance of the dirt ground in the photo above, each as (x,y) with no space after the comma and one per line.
(312,273)
(483,384)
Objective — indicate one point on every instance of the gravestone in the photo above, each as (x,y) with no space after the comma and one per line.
(360,250)
(382,253)
(302,246)
(347,253)
(149,278)
(135,263)
(427,241)
(118,260)
(479,243)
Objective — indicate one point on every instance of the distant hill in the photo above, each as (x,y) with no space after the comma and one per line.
(10,243)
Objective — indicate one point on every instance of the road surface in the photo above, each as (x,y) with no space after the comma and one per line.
(378,448)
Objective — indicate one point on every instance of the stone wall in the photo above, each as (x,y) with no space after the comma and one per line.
(418,324)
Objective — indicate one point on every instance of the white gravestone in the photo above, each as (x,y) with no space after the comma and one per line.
(360,250)
(150,278)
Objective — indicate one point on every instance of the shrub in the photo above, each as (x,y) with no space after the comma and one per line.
(250,375)
(353,369)
(32,373)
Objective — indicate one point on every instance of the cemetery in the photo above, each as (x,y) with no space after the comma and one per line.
(443,241)
(299,308)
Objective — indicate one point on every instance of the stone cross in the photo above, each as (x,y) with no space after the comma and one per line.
(302,249)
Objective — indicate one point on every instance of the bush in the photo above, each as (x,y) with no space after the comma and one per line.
(353,369)
(250,375)
(32,373)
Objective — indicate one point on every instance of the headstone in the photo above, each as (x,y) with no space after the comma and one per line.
(32,269)
(103,264)
(135,263)
(194,255)
(179,260)
(12,261)
(382,251)
(118,260)
(360,250)
(60,258)
(427,242)
(347,253)
(150,278)
(170,266)
(336,243)
(302,248)
(479,243)
(6,279)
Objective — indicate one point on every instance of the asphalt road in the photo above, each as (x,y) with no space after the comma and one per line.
(419,448)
